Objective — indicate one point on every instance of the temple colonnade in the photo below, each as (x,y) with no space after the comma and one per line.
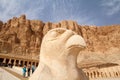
(15,61)
(109,72)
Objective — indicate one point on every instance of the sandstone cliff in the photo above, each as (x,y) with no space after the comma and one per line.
(21,37)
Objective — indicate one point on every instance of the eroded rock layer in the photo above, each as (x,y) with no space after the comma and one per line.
(22,37)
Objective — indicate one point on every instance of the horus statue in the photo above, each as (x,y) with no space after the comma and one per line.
(58,56)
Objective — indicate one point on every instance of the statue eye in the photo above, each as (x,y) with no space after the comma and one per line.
(54,34)
(57,33)
(60,31)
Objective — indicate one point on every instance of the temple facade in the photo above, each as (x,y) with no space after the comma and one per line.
(106,73)
(11,60)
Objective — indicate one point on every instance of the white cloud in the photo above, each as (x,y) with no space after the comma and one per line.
(47,10)
(9,9)
(111,7)
(71,11)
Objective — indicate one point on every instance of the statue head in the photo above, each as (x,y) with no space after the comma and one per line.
(58,56)
(60,42)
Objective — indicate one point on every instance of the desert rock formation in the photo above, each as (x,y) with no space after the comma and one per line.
(20,36)
(23,36)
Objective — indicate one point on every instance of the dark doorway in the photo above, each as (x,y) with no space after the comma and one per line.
(1,61)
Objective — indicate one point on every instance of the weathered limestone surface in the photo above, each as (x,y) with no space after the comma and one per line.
(58,56)
(22,37)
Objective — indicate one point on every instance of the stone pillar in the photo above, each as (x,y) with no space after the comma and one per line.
(90,74)
(109,72)
(27,63)
(19,62)
(23,63)
(97,74)
(94,74)
(100,74)
(14,62)
(9,62)
(105,74)
(35,63)
(87,74)
(119,73)
(31,63)
(4,61)
(114,71)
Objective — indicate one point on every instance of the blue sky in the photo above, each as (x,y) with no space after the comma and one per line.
(85,12)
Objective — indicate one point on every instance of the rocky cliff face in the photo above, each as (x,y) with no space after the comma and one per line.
(103,46)
(20,36)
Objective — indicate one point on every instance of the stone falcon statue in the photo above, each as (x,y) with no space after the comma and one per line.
(58,56)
